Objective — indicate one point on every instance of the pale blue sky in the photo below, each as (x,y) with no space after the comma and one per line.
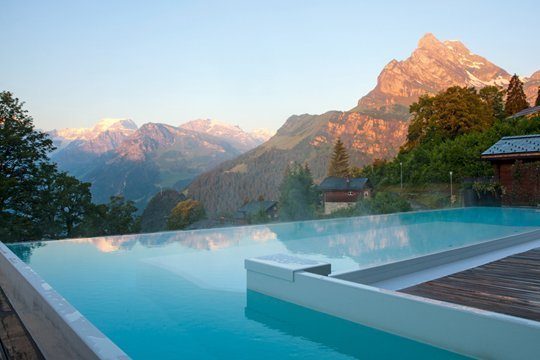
(249,63)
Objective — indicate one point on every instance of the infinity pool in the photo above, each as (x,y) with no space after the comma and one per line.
(179,295)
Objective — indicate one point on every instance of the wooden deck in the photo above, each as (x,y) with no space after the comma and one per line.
(509,286)
(15,342)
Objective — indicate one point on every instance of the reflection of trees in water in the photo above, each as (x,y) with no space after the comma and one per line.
(24,250)
(391,237)
(211,239)
(358,238)
(353,238)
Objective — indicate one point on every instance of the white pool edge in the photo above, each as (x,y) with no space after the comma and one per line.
(461,329)
(59,330)
(412,271)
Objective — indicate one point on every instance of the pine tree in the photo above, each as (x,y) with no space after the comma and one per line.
(537,102)
(339,163)
(516,100)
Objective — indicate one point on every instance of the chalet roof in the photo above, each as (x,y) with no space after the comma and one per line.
(334,183)
(529,111)
(254,207)
(514,145)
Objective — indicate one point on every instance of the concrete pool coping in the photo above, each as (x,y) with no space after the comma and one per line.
(405,273)
(58,329)
(461,329)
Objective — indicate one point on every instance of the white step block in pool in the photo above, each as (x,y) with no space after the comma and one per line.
(283,266)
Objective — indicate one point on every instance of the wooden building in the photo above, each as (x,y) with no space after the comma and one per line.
(266,209)
(516,164)
(339,193)
(528,113)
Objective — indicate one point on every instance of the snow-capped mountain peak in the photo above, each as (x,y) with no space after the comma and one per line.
(107,124)
(115,124)
(234,134)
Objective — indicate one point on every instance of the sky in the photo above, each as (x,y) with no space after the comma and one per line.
(248,63)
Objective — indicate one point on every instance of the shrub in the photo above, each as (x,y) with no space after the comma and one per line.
(184,214)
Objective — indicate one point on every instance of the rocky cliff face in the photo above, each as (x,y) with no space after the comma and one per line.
(432,67)
(374,129)
(531,87)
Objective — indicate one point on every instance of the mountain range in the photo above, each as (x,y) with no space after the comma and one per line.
(118,157)
(374,129)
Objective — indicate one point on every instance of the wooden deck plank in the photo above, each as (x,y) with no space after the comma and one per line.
(15,341)
(510,286)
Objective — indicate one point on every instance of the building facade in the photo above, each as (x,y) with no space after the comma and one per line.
(340,193)
(516,165)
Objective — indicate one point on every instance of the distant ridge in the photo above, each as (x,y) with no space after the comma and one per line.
(117,157)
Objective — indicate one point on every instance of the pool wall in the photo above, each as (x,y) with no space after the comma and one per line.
(59,330)
(461,329)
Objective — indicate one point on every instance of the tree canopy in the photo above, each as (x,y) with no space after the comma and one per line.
(451,113)
(444,137)
(184,214)
(298,194)
(36,200)
(25,172)
(494,98)
(339,162)
(516,100)
(156,213)
(537,102)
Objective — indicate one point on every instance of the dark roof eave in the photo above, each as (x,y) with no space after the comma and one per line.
(351,189)
(511,156)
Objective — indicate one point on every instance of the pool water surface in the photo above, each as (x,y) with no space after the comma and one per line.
(182,294)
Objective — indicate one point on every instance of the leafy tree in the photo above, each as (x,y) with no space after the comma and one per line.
(383,203)
(114,218)
(432,161)
(339,163)
(24,170)
(451,113)
(298,194)
(184,214)
(537,102)
(154,216)
(94,222)
(516,100)
(36,200)
(493,97)
(120,216)
(71,201)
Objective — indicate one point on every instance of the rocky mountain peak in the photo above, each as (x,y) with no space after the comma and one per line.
(114,124)
(233,134)
(428,41)
(433,66)
(210,126)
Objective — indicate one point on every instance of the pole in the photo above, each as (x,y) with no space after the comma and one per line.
(451,189)
(401,174)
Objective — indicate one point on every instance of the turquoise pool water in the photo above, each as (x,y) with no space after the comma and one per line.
(179,295)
